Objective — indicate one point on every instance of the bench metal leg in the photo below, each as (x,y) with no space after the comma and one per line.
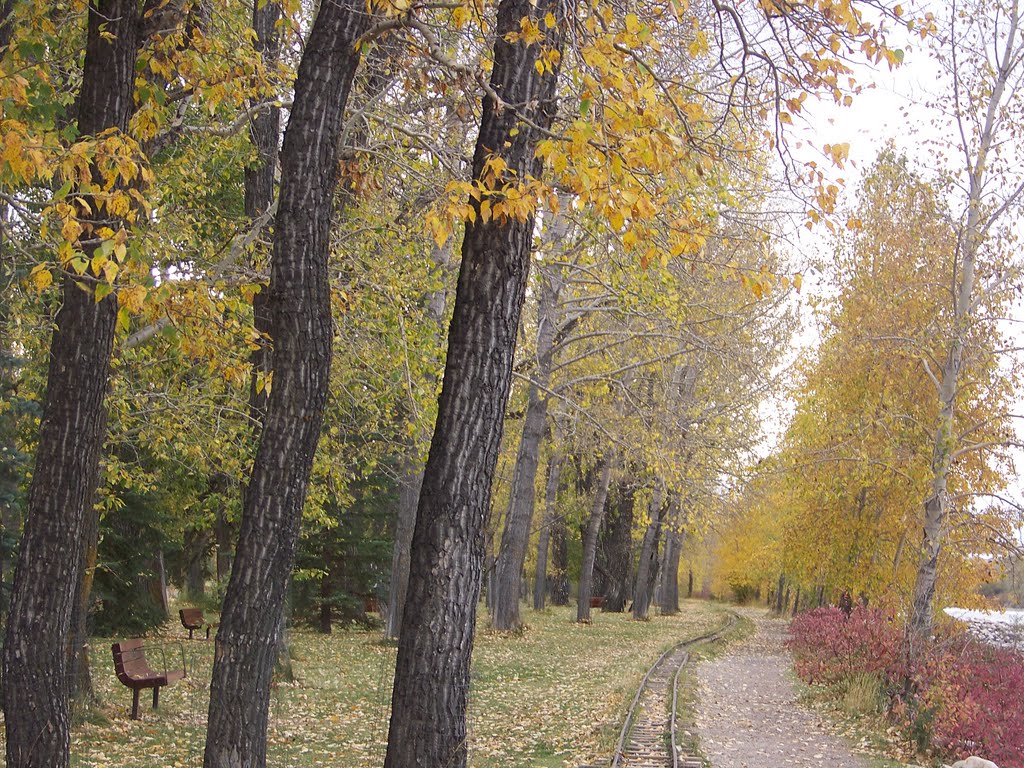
(156,695)
(135,703)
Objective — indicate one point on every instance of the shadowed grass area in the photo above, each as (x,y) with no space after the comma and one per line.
(552,695)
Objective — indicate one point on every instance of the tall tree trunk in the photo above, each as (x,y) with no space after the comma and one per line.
(508,565)
(428,714)
(670,573)
(409,484)
(264,133)
(597,508)
(411,480)
(196,553)
(325,604)
(81,692)
(560,588)
(647,564)
(519,518)
(540,582)
(157,584)
(299,302)
(222,531)
(35,691)
(617,548)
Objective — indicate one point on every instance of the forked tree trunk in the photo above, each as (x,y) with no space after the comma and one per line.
(597,508)
(647,563)
(428,711)
(540,583)
(299,302)
(35,691)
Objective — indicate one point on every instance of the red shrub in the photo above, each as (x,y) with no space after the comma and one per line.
(974,699)
(829,647)
(960,697)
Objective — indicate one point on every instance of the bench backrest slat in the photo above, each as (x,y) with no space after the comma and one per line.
(130,661)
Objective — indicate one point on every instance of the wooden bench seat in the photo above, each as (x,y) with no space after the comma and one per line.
(133,670)
(193,619)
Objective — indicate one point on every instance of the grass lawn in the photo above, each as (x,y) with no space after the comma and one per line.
(552,696)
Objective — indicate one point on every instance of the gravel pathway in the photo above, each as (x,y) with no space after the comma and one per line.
(748,715)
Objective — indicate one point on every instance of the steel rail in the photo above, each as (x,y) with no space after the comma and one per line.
(644,683)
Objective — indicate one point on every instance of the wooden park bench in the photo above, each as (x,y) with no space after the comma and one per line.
(192,619)
(597,602)
(133,670)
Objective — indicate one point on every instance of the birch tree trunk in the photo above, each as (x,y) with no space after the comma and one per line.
(597,508)
(1007,59)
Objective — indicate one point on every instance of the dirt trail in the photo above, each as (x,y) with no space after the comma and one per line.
(748,715)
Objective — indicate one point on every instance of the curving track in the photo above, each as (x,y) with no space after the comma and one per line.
(648,737)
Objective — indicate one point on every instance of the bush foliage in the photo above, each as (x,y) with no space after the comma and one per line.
(957,697)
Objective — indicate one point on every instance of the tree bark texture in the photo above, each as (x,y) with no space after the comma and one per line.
(616,554)
(428,720)
(540,583)
(35,691)
(647,563)
(597,508)
(299,304)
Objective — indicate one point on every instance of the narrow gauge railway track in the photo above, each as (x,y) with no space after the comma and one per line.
(648,737)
